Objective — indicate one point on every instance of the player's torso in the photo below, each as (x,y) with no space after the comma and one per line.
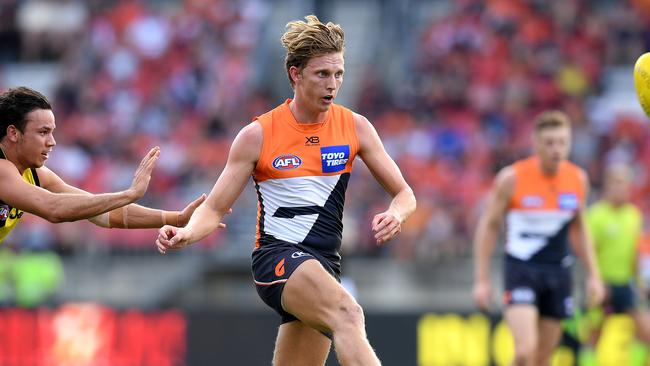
(540,212)
(9,216)
(301,178)
(615,232)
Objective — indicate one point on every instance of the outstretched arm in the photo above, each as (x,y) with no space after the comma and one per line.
(132,216)
(486,235)
(60,207)
(387,224)
(243,156)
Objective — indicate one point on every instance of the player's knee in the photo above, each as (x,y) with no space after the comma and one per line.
(525,353)
(348,314)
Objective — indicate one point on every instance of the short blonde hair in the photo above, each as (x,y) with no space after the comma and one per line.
(304,40)
(551,119)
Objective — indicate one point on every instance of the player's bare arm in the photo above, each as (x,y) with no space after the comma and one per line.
(61,207)
(387,224)
(487,233)
(243,156)
(131,216)
(584,249)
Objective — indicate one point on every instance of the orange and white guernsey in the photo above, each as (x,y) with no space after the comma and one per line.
(540,211)
(301,178)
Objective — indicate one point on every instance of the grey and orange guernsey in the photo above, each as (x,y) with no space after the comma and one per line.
(538,256)
(9,216)
(300,178)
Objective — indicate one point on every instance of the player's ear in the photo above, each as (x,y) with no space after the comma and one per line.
(295,73)
(12,133)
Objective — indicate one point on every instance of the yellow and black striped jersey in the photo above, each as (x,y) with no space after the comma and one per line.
(9,216)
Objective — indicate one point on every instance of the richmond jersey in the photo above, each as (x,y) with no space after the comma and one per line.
(9,216)
(301,178)
(540,212)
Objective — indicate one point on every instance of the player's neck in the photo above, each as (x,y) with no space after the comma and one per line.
(303,114)
(11,156)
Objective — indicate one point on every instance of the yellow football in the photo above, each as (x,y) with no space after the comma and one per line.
(642,81)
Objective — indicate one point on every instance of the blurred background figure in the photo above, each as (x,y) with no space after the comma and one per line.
(616,227)
(450,85)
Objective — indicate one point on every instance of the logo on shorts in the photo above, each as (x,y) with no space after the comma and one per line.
(287,162)
(568,306)
(279,268)
(300,254)
(567,201)
(522,295)
(334,158)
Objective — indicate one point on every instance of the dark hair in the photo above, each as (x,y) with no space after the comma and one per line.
(15,104)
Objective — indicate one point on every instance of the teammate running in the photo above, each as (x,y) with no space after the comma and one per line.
(542,200)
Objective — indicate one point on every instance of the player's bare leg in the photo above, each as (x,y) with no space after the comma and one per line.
(550,332)
(641,325)
(522,320)
(313,296)
(298,344)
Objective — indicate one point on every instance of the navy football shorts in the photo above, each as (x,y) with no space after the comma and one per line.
(546,287)
(273,265)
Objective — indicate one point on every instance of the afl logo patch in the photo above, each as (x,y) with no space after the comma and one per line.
(4,214)
(287,162)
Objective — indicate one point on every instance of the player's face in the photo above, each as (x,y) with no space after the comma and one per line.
(617,187)
(319,81)
(37,141)
(552,145)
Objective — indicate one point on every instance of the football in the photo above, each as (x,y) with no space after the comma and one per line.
(642,81)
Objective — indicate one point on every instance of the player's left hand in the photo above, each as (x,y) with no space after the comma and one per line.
(595,291)
(184,216)
(172,237)
(385,226)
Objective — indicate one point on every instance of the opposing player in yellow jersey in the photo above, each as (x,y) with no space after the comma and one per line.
(300,156)
(542,201)
(26,139)
(616,225)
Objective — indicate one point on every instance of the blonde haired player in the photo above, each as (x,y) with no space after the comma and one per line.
(542,200)
(27,185)
(300,156)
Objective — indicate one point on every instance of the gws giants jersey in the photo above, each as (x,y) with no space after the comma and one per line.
(9,216)
(301,178)
(540,211)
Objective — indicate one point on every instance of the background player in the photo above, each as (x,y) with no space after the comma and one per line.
(26,185)
(300,155)
(616,225)
(542,200)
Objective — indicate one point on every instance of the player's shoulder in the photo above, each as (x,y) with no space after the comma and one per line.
(251,134)
(506,174)
(7,168)
(505,179)
(360,121)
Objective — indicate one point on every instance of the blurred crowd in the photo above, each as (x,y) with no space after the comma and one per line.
(182,75)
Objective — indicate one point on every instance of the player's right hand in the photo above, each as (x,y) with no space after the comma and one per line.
(482,295)
(172,237)
(142,175)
